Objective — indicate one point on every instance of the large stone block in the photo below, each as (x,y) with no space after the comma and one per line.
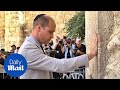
(106,23)
(91,25)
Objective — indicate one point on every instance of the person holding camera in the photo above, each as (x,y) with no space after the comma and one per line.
(80,48)
(59,53)
(68,50)
(59,49)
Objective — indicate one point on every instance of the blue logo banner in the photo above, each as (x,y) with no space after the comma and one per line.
(15,65)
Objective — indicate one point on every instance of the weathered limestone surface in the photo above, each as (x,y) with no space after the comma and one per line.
(60,17)
(91,25)
(113,67)
(2,29)
(13,33)
(107,63)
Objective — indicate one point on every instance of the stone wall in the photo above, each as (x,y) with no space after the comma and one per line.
(11,33)
(107,63)
(113,66)
(91,25)
(2,29)
(60,17)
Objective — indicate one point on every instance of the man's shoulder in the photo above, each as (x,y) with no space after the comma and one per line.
(29,45)
(25,46)
(28,49)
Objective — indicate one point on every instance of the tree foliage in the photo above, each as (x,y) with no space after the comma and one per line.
(75,27)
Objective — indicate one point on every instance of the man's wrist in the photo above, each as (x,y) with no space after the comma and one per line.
(90,56)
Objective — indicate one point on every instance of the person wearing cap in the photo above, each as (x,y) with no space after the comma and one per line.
(39,64)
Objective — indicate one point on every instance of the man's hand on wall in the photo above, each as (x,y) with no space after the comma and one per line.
(93,46)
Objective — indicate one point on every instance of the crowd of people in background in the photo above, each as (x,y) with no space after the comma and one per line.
(61,48)
(3,56)
(64,48)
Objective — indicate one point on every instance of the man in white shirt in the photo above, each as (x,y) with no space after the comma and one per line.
(39,64)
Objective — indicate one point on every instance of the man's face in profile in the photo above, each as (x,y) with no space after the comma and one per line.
(47,32)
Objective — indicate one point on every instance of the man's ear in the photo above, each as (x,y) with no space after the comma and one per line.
(39,27)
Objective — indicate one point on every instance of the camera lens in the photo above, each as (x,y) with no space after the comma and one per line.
(60,42)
